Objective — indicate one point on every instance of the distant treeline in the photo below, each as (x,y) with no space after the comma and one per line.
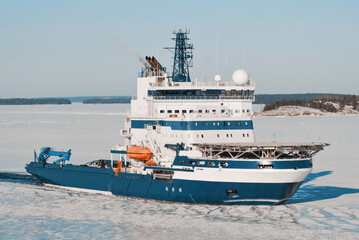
(33,101)
(323,102)
(107,100)
(272,98)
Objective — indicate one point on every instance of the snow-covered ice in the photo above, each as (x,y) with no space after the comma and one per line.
(326,206)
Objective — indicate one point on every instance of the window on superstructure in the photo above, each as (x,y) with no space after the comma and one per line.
(202,123)
(223,111)
(247,134)
(195,123)
(244,135)
(214,110)
(223,164)
(184,111)
(217,123)
(224,123)
(243,110)
(238,110)
(247,110)
(176,111)
(231,135)
(229,123)
(182,162)
(202,135)
(162,111)
(169,111)
(207,111)
(201,162)
(192,162)
(173,124)
(214,124)
(218,135)
(191,111)
(246,123)
(200,111)
(227,135)
(212,164)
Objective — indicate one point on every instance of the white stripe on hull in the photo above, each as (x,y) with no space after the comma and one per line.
(245,175)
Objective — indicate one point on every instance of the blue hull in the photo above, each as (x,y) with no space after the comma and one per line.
(175,190)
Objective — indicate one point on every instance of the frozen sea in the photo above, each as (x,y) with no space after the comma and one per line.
(326,206)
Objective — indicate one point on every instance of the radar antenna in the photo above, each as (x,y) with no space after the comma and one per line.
(182,56)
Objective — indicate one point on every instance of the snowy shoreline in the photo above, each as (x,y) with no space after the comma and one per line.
(298,111)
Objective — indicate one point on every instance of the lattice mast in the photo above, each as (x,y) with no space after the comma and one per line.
(182,56)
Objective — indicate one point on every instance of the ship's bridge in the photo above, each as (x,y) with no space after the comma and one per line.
(160,90)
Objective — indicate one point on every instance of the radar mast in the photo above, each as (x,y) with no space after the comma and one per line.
(182,56)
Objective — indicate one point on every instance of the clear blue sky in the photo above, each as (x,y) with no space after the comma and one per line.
(74,48)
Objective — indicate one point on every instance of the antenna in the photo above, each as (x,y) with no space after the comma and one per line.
(217,52)
(244,58)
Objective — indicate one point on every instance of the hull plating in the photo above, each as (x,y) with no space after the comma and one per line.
(175,190)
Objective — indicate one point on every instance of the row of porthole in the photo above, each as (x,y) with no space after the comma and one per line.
(206,123)
(173,189)
(204,111)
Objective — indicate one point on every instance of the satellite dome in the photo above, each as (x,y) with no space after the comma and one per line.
(240,77)
(217,78)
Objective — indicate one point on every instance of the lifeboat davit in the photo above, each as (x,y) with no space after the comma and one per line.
(139,153)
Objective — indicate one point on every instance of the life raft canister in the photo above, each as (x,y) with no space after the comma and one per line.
(139,153)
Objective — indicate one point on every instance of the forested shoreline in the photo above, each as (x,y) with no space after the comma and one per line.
(34,101)
(328,103)
(107,100)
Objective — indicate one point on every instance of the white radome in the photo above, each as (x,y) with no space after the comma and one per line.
(240,77)
(217,78)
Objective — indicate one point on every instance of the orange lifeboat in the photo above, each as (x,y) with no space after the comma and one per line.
(139,153)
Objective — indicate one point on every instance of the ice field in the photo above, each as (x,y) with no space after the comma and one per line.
(326,206)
